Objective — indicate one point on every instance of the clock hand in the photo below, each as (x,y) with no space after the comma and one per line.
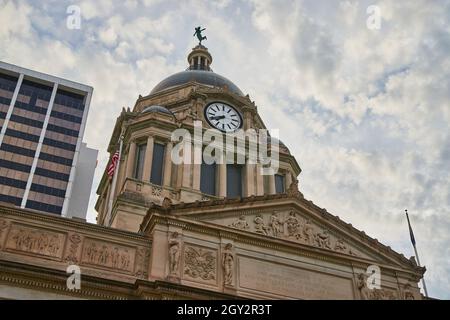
(218,118)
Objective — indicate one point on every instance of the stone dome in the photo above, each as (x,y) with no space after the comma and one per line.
(156,109)
(199,71)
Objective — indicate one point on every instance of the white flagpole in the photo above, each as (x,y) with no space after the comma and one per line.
(114,182)
(413,241)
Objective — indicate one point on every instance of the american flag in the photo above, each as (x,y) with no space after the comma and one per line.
(113,165)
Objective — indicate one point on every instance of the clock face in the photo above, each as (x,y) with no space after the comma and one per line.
(223,117)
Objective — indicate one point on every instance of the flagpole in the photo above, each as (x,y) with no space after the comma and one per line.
(114,182)
(413,241)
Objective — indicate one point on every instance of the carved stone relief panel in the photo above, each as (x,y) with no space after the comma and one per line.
(228,265)
(367,293)
(291,226)
(200,264)
(4,224)
(142,260)
(73,248)
(108,255)
(31,240)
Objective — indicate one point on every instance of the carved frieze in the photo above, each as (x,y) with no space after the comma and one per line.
(31,240)
(291,226)
(200,263)
(108,255)
(142,259)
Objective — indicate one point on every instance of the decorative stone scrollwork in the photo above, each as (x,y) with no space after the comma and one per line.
(228,264)
(241,224)
(156,191)
(174,253)
(142,256)
(199,263)
(75,240)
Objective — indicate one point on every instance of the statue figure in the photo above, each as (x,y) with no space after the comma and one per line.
(362,286)
(340,246)
(323,239)
(198,33)
(308,233)
(276,225)
(227,264)
(241,223)
(407,292)
(174,253)
(259,225)
(293,225)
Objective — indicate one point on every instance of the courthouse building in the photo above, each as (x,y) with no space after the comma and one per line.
(197,230)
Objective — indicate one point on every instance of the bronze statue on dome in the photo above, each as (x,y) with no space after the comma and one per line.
(198,33)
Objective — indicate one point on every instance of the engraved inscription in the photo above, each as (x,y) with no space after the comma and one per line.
(286,281)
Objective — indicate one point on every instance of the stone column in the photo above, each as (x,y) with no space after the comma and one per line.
(148,159)
(272,189)
(249,179)
(259,180)
(186,182)
(131,159)
(223,177)
(196,167)
(168,165)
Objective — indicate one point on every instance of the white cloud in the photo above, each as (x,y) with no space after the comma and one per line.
(365,112)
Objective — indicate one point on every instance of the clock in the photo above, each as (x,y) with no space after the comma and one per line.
(223,117)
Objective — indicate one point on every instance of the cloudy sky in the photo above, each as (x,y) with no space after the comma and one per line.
(365,110)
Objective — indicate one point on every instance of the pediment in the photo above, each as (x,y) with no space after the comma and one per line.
(295,224)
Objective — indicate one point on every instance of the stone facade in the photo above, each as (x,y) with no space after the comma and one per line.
(171,241)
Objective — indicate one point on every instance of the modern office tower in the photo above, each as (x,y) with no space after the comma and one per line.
(43,163)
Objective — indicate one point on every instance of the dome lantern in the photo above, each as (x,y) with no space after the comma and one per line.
(200,58)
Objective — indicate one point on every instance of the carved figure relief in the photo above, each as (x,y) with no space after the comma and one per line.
(260,227)
(293,225)
(275,225)
(241,223)
(108,255)
(200,263)
(142,256)
(407,292)
(373,294)
(323,239)
(289,225)
(228,264)
(35,241)
(308,232)
(174,253)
